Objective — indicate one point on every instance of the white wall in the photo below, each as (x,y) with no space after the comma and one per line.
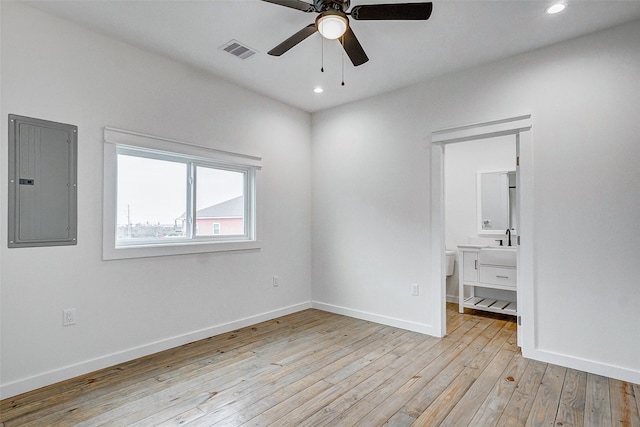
(370,197)
(371,219)
(57,71)
(462,162)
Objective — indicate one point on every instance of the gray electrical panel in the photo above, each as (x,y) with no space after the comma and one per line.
(42,182)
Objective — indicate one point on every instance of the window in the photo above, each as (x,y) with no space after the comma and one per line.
(187,200)
(166,197)
(219,198)
(152,195)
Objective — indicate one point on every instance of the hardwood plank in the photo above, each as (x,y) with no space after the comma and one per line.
(517,410)
(400,407)
(343,355)
(263,386)
(358,364)
(292,388)
(175,413)
(572,399)
(406,377)
(129,413)
(260,382)
(477,393)
(181,419)
(268,400)
(636,391)
(320,402)
(624,408)
(497,399)
(268,413)
(545,406)
(399,419)
(436,357)
(258,345)
(509,421)
(597,411)
(440,408)
(435,377)
(454,321)
(131,399)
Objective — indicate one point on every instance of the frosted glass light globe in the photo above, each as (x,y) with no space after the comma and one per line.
(332,26)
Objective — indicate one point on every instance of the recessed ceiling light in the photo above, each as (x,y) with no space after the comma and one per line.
(556,8)
(318,89)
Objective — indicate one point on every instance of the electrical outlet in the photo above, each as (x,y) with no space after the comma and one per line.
(69,317)
(415,290)
(276,281)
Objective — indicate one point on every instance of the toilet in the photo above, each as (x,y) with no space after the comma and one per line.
(451,260)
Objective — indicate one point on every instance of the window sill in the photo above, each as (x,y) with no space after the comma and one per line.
(141,251)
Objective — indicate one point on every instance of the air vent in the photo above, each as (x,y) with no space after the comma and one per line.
(237,49)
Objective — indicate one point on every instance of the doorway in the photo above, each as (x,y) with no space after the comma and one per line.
(477,188)
(520,128)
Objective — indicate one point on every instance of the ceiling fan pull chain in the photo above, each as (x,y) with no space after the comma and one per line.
(322,56)
(342,61)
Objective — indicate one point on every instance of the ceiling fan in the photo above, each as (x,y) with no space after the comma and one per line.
(333,22)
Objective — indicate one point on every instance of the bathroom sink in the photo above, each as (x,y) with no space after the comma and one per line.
(504,256)
(470,246)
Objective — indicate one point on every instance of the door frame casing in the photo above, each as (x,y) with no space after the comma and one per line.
(520,126)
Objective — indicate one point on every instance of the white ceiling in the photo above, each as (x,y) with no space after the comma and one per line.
(459,35)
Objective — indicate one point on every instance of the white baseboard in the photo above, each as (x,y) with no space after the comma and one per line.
(51,377)
(453,299)
(585,365)
(372,317)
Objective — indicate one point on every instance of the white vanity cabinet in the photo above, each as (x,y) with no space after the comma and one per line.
(487,267)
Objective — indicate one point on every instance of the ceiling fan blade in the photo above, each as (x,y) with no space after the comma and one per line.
(353,48)
(293,40)
(399,11)
(294,4)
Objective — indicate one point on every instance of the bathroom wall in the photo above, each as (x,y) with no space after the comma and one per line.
(462,161)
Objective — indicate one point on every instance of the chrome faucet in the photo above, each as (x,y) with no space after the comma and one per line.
(509,234)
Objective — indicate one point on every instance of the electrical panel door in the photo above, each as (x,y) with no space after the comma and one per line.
(42,183)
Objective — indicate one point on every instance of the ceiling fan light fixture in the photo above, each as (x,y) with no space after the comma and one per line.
(332,25)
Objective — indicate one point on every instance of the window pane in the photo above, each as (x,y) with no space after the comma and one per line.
(152,197)
(219,202)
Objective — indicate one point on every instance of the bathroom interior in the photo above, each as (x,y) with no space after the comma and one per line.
(480,196)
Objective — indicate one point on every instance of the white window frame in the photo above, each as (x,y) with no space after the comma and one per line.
(119,141)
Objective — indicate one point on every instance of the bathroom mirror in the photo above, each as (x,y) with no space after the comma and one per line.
(496,202)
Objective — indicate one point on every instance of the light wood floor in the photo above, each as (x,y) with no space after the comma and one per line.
(315,368)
